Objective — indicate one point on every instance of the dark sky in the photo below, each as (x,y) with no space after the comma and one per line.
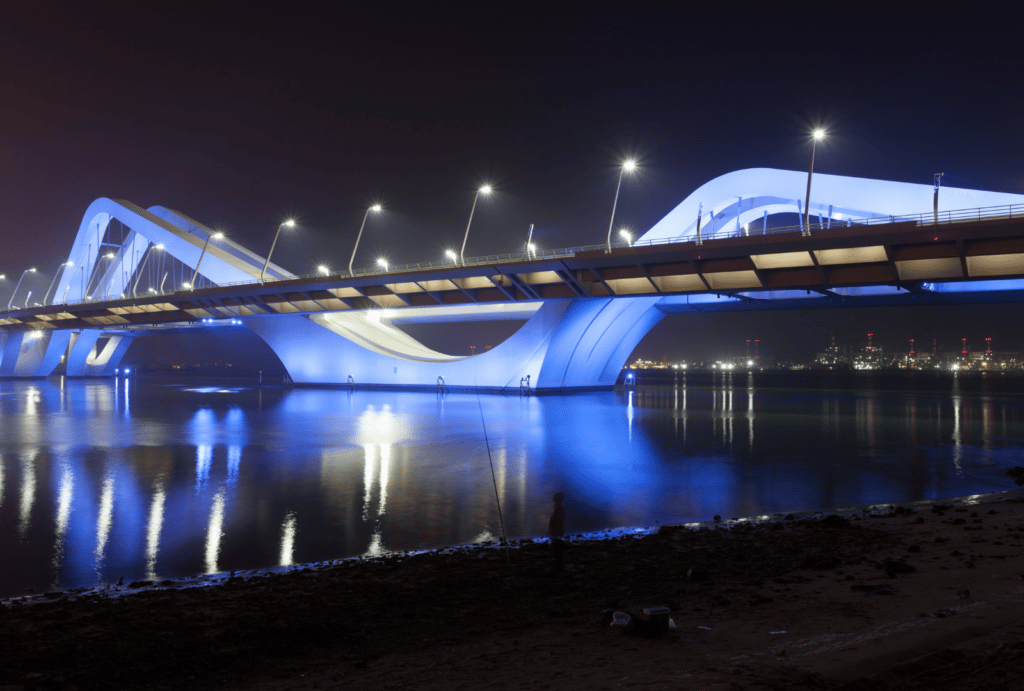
(241,114)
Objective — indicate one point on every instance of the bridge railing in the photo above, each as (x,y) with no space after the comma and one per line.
(708,232)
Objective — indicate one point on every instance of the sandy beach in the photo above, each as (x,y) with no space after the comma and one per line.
(922,596)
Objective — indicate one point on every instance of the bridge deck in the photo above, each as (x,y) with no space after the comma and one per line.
(904,254)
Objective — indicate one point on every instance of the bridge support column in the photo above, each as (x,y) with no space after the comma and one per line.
(84,361)
(566,345)
(33,354)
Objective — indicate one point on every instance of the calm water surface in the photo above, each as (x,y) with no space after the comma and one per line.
(151,479)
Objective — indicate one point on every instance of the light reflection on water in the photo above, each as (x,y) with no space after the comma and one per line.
(142,480)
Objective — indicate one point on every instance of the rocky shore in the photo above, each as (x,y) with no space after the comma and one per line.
(928,596)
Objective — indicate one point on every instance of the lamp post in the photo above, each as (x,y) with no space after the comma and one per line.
(323,270)
(290,224)
(108,255)
(627,236)
(67,263)
(144,260)
(451,255)
(628,166)
(18,285)
(486,189)
(63,298)
(203,254)
(818,134)
(935,200)
(383,263)
(376,209)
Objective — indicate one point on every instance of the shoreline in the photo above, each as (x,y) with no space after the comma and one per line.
(219,578)
(815,601)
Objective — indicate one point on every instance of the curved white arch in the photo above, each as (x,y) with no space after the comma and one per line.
(183,238)
(736,198)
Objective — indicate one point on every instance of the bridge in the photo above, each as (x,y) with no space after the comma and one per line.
(585,309)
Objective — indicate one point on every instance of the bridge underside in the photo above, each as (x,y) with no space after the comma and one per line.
(565,345)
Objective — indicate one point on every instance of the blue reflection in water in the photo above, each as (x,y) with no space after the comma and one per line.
(104,479)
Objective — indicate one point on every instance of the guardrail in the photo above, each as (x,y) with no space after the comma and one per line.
(922,219)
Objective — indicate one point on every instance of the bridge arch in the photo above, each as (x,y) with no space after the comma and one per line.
(730,201)
(183,238)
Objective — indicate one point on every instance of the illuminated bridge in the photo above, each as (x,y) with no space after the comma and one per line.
(585,309)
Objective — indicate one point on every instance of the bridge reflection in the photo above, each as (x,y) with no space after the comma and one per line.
(100,480)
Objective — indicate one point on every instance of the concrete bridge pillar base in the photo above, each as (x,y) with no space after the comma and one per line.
(33,354)
(83,361)
(566,345)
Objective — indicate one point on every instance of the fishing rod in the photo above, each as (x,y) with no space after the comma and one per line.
(497,500)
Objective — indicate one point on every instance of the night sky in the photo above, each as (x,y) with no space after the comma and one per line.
(243,114)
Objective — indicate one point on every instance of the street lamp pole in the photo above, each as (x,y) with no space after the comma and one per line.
(374,208)
(192,283)
(144,260)
(18,285)
(486,189)
(291,224)
(818,134)
(628,166)
(935,201)
(68,263)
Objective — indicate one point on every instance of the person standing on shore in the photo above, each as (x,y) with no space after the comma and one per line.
(556,529)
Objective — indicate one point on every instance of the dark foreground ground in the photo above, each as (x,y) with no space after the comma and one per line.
(874,602)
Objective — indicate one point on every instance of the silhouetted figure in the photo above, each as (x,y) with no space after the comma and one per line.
(556,528)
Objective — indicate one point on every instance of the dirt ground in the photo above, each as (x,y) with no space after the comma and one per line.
(927,596)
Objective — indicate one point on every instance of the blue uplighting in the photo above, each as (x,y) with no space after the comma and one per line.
(975,286)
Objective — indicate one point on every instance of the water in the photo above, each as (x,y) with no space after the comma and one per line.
(152,479)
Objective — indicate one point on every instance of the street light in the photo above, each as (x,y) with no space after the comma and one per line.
(97,274)
(67,263)
(382,262)
(486,189)
(32,270)
(628,166)
(376,209)
(290,224)
(451,255)
(144,260)
(818,134)
(203,254)
(627,236)
(324,271)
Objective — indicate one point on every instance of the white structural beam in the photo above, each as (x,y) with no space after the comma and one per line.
(738,198)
